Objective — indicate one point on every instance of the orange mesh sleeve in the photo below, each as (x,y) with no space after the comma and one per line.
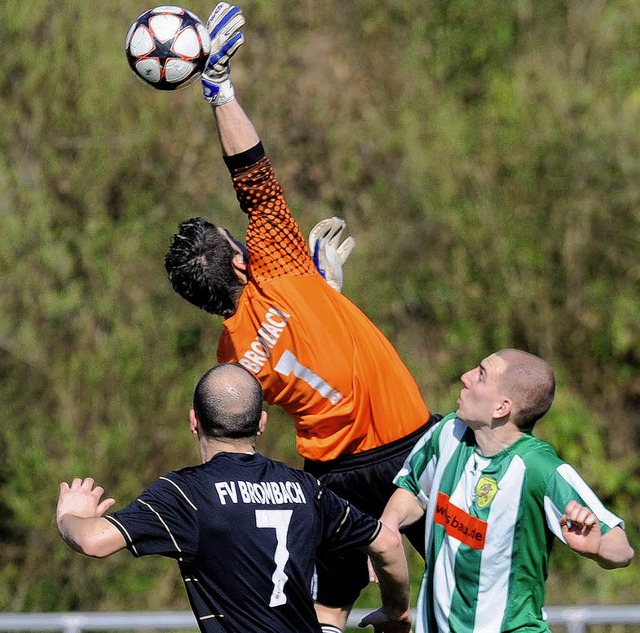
(275,241)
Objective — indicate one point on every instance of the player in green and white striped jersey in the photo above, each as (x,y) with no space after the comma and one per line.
(495,497)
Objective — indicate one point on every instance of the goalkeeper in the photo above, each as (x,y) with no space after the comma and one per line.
(356,408)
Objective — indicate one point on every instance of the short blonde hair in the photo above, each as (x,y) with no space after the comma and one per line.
(529,382)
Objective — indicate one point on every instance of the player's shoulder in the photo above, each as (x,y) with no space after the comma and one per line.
(290,471)
(540,458)
(173,487)
(180,479)
(448,430)
(533,448)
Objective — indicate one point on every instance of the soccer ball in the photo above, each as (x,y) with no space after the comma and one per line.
(167,47)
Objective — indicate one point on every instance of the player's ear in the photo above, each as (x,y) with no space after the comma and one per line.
(239,262)
(503,408)
(263,423)
(240,267)
(194,423)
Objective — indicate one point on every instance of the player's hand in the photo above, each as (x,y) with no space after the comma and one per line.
(329,255)
(581,529)
(384,623)
(82,499)
(224,26)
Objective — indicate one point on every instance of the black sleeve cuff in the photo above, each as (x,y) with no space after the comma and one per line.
(244,159)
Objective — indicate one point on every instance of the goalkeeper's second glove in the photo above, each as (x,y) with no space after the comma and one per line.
(224,26)
(328,254)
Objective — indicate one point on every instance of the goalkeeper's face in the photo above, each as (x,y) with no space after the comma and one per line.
(236,245)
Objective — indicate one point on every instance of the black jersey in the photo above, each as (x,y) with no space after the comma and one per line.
(244,530)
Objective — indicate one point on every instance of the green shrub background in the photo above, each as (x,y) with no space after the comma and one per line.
(485,156)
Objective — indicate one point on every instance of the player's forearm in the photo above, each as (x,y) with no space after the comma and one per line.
(390,564)
(70,531)
(94,537)
(394,592)
(401,510)
(615,550)
(235,130)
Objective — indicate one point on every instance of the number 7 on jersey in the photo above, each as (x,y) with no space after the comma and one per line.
(278,520)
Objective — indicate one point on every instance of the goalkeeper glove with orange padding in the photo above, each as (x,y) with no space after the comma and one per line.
(224,26)
(328,254)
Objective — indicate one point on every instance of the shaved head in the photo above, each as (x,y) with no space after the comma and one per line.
(530,383)
(228,402)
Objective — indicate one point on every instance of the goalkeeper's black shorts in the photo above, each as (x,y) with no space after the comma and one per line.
(366,481)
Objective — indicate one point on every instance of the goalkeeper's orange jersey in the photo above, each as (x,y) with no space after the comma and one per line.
(315,353)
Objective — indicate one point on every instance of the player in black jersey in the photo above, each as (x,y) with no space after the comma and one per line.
(243,528)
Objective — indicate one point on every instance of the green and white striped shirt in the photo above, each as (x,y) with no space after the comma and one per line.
(490,527)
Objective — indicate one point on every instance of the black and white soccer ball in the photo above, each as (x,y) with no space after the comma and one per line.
(167,47)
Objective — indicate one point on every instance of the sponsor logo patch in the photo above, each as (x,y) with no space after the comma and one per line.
(460,524)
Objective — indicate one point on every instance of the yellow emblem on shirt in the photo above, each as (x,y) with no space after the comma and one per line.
(486,490)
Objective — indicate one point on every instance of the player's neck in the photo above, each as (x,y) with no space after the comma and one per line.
(491,441)
(210,447)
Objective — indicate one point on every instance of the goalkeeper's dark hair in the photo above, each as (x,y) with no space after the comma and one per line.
(199,266)
(228,402)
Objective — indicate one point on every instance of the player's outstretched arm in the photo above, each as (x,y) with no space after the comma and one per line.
(581,531)
(390,564)
(235,130)
(80,521)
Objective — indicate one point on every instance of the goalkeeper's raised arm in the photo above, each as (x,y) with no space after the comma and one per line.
(236,132)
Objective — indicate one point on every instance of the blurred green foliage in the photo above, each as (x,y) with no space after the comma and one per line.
(485,156)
